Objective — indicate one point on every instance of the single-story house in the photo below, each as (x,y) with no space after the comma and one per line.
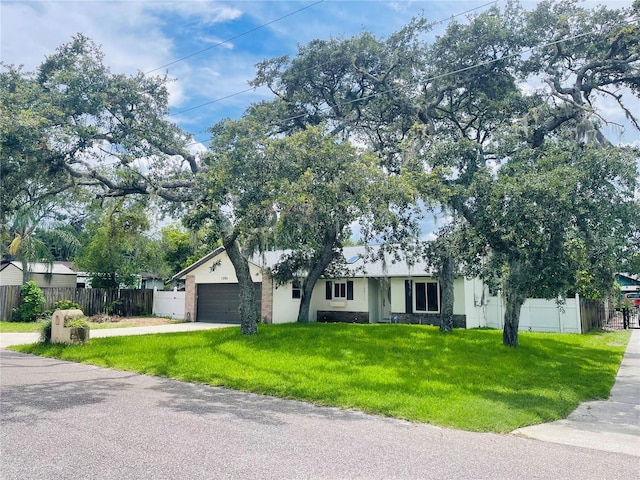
(56,274)
(628,283)
(370,292)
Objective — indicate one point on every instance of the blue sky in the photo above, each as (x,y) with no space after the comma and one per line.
(145,35)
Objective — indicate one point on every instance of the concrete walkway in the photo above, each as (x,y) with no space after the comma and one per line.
(8,339)
(611,425)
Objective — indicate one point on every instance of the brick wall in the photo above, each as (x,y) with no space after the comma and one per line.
(190,298)
(343,317)
(266,313)
(459,321)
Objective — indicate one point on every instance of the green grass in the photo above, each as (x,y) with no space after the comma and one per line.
(465,380)
(20,327)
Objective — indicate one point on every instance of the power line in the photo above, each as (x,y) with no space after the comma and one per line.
(306,70)
(436,77)
(234,37)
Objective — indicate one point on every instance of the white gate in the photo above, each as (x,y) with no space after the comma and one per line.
(169,304)
(538,315)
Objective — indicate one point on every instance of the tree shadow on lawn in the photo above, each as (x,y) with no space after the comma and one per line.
(543,379)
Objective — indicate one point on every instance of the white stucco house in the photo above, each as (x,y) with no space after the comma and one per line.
(56,274)
(370,292)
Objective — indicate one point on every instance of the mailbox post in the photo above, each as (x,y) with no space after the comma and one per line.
(62,334)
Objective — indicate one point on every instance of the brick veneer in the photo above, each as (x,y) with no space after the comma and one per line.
(267,299)
(343,317)
(190,298)
(459,321)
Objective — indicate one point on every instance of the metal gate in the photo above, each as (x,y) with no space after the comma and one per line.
(624,318)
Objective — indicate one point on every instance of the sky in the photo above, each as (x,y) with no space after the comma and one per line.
(222,40)
(149,36)
(231,36)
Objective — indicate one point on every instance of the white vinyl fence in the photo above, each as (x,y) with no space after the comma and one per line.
(538,315)
(169,304)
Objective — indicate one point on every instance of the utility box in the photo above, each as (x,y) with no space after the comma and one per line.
(62,334)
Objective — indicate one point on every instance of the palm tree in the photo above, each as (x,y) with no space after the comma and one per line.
(27,248)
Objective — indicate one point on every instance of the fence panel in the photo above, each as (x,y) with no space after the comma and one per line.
(92,301)
(592,314)
(169,304)
(9,299)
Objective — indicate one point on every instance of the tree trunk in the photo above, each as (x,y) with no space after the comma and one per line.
(314,275)
(514,299)
(25,270)
(446,283)
(249,314)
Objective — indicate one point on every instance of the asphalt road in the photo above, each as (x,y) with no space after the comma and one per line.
(62,420)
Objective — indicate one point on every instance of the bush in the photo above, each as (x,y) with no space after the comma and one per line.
(32,301)
(45,333)
(76,323)
(62,305)
(66,305)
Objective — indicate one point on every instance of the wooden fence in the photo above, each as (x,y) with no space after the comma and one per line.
(593,314)
(92,301)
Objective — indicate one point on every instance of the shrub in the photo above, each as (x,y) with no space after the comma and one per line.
(45,333)
(76,323)
(80,326)
(62,305)
(32,301)
(66,305)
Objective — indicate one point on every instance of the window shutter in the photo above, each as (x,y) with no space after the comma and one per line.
(328,290)
(349,290)
(408,296)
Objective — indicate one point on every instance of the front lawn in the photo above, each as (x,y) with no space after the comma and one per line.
(20,327)
(465,380)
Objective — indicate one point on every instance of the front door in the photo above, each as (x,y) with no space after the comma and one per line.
(385,301)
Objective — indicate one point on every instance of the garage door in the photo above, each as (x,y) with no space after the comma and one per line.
(219,302)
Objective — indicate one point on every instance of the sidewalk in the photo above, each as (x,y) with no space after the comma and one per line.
(7,339)
(611,425)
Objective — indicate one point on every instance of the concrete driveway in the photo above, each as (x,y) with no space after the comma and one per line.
(71,421)
(8,339)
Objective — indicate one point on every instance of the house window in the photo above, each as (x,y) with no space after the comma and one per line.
(426,297)
(296,290)
(339,290)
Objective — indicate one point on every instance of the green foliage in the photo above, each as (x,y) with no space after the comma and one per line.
(76,323)
(115,248)
(66,305)
(405,371)
(531,174)
(31,302)
(45,332)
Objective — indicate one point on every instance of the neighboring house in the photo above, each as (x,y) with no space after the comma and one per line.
(370,292)
(628,283)
(56,274)
(151,281)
